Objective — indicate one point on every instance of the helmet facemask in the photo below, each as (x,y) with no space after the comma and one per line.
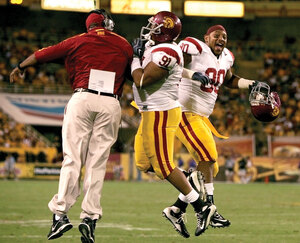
(151,28)
(260,94)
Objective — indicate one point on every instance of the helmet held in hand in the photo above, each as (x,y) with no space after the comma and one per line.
(265,105)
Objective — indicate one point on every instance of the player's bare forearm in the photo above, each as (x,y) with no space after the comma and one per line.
(137,76)
(231,80)
(187,59)
(235,82)
(151,74)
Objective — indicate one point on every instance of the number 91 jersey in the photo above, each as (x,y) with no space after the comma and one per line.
(163,94)
(193,96)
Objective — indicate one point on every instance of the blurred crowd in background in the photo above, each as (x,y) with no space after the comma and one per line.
(232,115)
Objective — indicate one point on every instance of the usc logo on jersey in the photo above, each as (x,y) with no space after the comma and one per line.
(169,23)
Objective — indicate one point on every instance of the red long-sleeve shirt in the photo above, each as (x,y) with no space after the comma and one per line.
(98,49)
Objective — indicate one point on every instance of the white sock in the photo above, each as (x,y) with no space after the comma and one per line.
(192,196)
(57,217)
(209,188)
(183,198)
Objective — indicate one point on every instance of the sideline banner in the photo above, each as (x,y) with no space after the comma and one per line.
(237,146)
(35,109)
(284,147)
(118,168)
(121,168)
(33,171)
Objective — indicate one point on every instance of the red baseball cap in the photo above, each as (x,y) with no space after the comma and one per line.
(94,18)
(215,27)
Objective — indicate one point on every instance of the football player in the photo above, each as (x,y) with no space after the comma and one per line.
(156,73)
(213,59)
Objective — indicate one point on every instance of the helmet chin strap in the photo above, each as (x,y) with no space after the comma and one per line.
(151,42)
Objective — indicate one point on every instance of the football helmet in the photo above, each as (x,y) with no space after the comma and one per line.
(162,27)
(106,20)
(265,105)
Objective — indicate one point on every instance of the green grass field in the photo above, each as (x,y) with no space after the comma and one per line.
(132,213)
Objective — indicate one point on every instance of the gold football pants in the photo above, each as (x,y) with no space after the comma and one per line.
(154,141)
(195,132)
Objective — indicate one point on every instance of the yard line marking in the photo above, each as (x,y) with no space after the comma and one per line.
(29,236)
(78,236)
(46,223)
(123,226)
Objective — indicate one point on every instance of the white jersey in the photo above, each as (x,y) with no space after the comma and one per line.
(193,96)
(161,95)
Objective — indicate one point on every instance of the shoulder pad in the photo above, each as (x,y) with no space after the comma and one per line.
(191,46)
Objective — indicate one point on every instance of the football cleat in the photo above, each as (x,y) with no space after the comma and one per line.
(196,179)
(204,217)
(176,217)
(218,221)
(59,227)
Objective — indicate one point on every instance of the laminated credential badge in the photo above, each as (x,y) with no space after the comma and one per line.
(102,81)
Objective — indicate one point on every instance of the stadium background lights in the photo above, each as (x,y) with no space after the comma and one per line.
(16,2)
(147,7)
(70,5)
(214,9)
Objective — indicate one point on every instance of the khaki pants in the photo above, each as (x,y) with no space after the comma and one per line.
(90,128)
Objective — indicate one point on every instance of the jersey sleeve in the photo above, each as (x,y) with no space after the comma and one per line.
(190,46)
(52,53)
(165,57)
(230,57)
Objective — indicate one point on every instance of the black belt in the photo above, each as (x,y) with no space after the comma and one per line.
(96,92)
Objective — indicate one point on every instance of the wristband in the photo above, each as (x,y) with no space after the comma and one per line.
(136,64)
(245,83)
(186,73)
(19,67)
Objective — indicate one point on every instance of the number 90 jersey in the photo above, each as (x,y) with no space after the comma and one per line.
(163,94)
(193,96)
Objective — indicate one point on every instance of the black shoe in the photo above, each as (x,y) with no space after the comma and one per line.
(218,221)
(59,227)
(87,228)
(175,216)
(204,217)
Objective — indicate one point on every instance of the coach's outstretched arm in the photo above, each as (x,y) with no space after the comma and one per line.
(29,61)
